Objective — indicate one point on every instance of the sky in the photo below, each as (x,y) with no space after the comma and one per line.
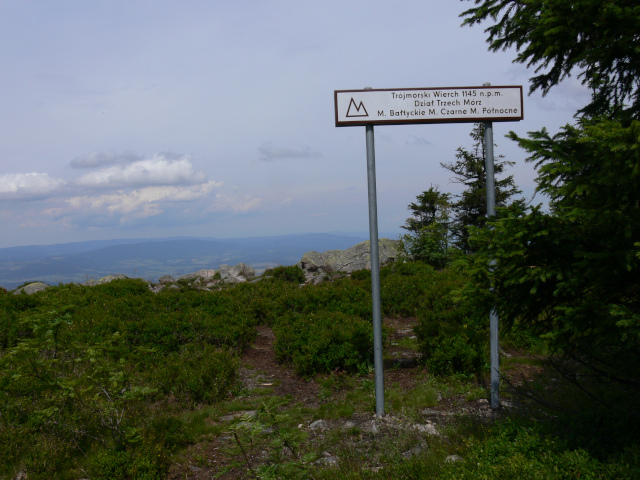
(140,119)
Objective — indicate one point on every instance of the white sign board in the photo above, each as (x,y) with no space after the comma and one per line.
(428,105)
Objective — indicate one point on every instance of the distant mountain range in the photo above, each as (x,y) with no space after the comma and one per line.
(152,258)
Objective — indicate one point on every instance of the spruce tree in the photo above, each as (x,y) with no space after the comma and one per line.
(469,170)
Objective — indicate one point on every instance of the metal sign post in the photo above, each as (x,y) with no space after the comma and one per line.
(493,316)
(370,107)
(375,271)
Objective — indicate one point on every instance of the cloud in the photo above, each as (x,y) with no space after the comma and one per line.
(157,170)
(143,202)
(28,185)
(269,152)
(235,203)
(96,160)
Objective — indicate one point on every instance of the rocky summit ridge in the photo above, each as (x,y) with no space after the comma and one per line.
(317,266)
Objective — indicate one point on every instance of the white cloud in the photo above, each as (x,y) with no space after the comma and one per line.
(269,152)
(28,185)
(235,203)
(96,160)
(157,170)
(143,202)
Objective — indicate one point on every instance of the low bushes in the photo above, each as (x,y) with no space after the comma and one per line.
(324,341)
(86,374)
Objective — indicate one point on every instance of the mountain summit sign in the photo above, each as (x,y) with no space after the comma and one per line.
(389,106)
(428,105)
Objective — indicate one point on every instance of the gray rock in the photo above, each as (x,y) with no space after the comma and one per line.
(111,278)
(32,288)
(233,279)
(166,279)
(157,288)
(453,458)
(417,450)
(319,425)
(243,270)
(330,461)
(428,428)
(357,257)
(205,274)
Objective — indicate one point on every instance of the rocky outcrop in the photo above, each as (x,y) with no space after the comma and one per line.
(208,278)
(239,273)
(31,288)
(357,257)
(317,268)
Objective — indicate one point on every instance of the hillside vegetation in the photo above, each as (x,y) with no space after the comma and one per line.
(116,382)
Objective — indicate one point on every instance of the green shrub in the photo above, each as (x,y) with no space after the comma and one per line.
(407,287)
(144,464)
(451,337)
(123,287)
(291,274)
(198,374)
(515,452)
(343,295)
(323,341)
(363,275)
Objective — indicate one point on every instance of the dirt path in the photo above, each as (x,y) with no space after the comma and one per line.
(260,368)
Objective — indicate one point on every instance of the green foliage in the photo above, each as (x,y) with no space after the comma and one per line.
(595,38)
(291,274)
(511,451)
(143,464)
(470,209)
(198,374)
(573,275)
(84,371)
(452,338)
(429,229)
(406,287)
(343,295)
(324,341)
(363,275)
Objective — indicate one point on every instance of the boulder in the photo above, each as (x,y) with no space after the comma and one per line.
(237,274)
(205,273)
(357,257)
(32,288)
(111,278)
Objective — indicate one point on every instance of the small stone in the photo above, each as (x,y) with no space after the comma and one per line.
(194,469)
(319,425)
(330,460)
(413,452)
(453,458)
(429,412)
(428,429)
